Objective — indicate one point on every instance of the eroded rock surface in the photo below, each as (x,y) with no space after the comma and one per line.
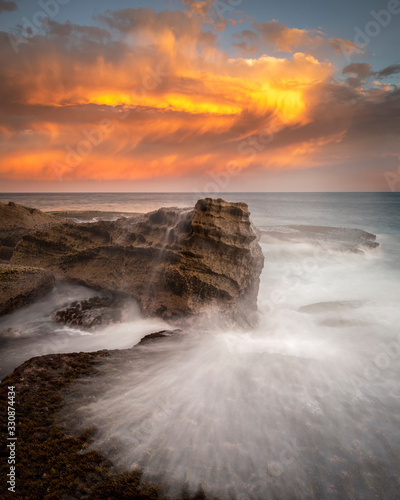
(91,313)
(16,221)
(20,286)
(174,262)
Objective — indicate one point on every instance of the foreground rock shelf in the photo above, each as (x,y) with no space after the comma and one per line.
(52,463)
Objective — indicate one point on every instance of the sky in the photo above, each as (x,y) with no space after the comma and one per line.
(204,96)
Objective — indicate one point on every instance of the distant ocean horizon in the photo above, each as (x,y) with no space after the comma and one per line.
(371,211)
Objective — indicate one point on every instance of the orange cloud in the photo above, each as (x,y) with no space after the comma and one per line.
(287,39)
(152,95)
(346,46)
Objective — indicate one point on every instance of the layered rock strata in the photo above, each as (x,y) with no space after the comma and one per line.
(174,262)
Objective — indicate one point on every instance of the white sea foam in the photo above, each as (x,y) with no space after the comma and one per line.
(256,414)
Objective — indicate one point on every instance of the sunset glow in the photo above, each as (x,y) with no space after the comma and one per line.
(152,94)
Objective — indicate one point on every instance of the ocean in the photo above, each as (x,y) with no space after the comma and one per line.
(376,212)
(306,405)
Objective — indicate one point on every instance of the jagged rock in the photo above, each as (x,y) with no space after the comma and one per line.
(16,221)
(20,286)
(174,262)
(88,314)
(158,335)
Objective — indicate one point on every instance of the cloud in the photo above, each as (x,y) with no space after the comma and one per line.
(287,39)
(217,14)
(163,30)
(394,69)
(245,48)
(7,6)
(176,105)
(363,71)
(199,7)
(142,19)
(75,33)
(186,107)
(345,46)
(246,41)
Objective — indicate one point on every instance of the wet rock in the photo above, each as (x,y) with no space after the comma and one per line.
(21,286)
(10,333)
(175,262)
(337,239)
(42,387)
(16,221)
(158,335)
(92,313)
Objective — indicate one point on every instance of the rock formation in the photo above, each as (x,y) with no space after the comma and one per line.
(16,221)
(22,285)
(327,238)
(89,314)
(174,262)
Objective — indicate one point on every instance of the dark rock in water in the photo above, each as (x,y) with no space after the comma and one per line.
(20,286)
(174,262)
(330,238)
(10,333)
(337,306)
(158,335)
(91,313)
(17,221)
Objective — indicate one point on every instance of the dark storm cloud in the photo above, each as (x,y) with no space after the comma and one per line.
(363,71)
(389,71)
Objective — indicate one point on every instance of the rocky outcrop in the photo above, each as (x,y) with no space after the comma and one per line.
(91,313)
(20,286)
(16,221)
(327,238)
(174,262)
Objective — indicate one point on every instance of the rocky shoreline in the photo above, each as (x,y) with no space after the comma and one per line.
(52,462)
(175,263)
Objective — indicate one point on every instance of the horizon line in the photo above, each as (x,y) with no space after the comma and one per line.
(193,193)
